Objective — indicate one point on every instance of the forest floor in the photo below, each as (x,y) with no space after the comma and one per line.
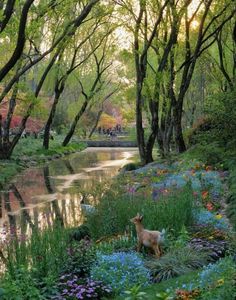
(210,229)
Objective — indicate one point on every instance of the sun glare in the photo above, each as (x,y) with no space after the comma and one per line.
(194,24)
(191,10)
(193,6)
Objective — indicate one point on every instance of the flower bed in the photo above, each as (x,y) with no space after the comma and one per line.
(183,198)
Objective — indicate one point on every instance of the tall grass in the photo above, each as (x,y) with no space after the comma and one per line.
(43,254)
(113,213)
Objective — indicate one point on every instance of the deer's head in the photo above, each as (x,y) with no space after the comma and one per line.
(137,219)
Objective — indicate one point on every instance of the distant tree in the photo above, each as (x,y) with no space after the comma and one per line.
(31,54)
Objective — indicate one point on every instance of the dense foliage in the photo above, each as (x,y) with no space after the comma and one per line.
(159,73)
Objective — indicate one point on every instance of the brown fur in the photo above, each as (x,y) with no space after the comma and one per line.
(147,238)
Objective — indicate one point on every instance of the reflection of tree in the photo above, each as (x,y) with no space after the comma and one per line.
(69,166)
(22,205)
(7,205)
(47,180)
(36,217)
(0,206)
(113,155)
(51,190)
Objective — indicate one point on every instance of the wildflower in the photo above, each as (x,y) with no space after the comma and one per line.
(116,270)
(209,206)
(131,190)
(220,281)
(204,195)
(218,216)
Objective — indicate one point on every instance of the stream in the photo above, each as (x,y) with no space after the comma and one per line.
(61,189)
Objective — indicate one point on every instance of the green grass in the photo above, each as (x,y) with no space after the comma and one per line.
(153,289)
(34,147)
(113,213)
(31,149)
(44,252)
(33,264)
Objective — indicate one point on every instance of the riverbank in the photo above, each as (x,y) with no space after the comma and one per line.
(29,152)
(185,197)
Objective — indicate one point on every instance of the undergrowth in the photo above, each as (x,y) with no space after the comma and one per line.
(113,213)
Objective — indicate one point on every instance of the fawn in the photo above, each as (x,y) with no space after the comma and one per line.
(149,238)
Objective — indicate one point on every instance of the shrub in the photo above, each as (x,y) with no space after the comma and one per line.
(215,248)
(113,213)
(80,258)
(79,233)
(210,153)
(208,232)
(120,270)
(71,287)
(200,129)
(214,282)
(22,287)
(222,110)
(175,263)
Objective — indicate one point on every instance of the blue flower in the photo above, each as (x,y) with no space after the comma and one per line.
(117,270)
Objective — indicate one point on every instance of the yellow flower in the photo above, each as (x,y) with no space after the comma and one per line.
(220,281)
(218,216)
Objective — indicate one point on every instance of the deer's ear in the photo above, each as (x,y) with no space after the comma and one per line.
(140,217)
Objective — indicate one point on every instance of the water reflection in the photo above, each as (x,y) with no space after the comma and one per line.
(41,196)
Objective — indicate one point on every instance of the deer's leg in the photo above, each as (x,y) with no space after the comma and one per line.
(139,246)
(157,251)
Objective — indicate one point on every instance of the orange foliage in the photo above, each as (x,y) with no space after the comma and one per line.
(106,121)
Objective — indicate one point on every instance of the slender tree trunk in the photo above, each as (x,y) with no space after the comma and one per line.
(160,143)
(73,125)
(96,123)
(20,41)
(5,148)
(177,118)
(139,125)
(8,11)
(153,106)
(50,119)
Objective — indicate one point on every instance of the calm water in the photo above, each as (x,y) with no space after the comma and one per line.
(59,190)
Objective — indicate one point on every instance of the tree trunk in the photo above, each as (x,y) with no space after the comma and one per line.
(139,126)
(179,139)
(153,107)
(96,123)
(47,129)
(73,125)
(20,41)
(5,152)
